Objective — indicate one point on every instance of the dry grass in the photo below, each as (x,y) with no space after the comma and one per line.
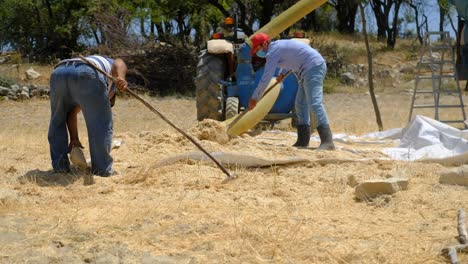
(295,214)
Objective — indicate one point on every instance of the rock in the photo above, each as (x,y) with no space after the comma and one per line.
(455,176)
(33,87)
(8,196)
(384,74)
(5,59)
(15,88)
(352,182)
(362,82)
(23,95)
(361,67)
(407,70)
(348,78)
(4,91)
(25,89)
(40,92)
(396,174)
(31,74)
(373,188)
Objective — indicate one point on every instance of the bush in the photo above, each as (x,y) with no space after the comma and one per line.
(6,82)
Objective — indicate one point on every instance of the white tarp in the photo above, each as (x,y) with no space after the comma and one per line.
(425,139)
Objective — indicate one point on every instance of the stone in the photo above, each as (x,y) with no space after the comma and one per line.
(352,182)
(372,188)
(25,89)
(362,82)
(39,92)
(23,96)
(4,59)
(8,196)
(31,74)
(348,78)
(4,91)
(15,88)
(455,176)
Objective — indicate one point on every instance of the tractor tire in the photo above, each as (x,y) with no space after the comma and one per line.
(232,107)
(209,94)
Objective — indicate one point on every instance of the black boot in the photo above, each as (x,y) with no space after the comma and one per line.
(326,138)
(303,136)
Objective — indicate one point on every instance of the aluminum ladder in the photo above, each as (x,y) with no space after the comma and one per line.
(436,58)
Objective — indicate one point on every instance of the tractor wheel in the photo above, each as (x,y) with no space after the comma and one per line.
(232,107)
(209,93)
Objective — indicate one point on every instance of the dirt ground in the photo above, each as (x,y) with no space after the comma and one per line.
(185,213)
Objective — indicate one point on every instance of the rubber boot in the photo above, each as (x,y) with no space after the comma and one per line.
(303,136)
(326,138)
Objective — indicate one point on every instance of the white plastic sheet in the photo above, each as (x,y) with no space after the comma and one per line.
(425,139)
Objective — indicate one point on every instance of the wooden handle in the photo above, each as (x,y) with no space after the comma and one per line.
(229,175)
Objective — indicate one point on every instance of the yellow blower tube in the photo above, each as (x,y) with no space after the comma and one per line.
(289,17)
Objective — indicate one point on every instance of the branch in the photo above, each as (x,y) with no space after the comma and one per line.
(462,235)
(453,250)
(219,6)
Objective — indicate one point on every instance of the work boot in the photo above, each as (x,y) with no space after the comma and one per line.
(326,138)
(303,136)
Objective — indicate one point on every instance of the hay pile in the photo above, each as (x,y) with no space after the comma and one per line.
(210,130)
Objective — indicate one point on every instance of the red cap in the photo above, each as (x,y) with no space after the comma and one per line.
(258,39)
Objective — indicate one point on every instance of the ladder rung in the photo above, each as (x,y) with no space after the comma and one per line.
(440,106)
(440,91)
(423,106)
(452,121)
(450,106)
(436,76)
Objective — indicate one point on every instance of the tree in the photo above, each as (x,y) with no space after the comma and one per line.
(346,14)
(370,73)
(387,28)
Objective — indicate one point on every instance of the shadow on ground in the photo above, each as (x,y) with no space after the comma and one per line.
(50,178)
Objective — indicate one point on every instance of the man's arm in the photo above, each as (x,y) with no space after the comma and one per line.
(119,70)
(270,67)
(72,125)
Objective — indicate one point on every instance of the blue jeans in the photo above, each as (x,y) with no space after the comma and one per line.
(309,97)
(77,84)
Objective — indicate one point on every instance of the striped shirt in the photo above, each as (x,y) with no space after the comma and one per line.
(288,54)
(102,63)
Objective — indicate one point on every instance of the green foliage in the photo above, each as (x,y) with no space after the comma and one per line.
(6,82)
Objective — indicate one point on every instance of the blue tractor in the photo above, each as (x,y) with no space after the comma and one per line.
(227,75)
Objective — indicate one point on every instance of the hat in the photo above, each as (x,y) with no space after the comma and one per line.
(258,39)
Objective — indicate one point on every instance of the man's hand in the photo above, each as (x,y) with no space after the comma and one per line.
(121,84)
(280,77)
(74,143)
(252,104)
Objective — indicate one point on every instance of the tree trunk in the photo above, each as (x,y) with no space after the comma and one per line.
(393,31)
(418,26)
(370,76)
(142,27)
(380,19)
(267,12)
(442,13)
(346,14)
(243,17)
